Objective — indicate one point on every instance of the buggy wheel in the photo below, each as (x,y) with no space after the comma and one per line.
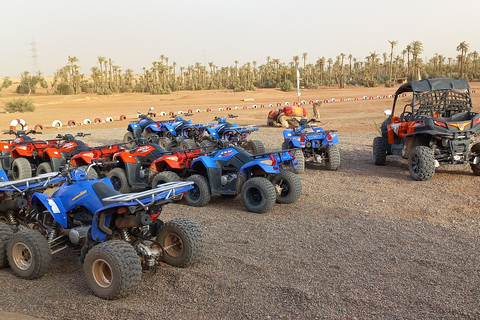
(112,269)
(254,147)
(332,160)
(187,144)
(200,195)
(165,143)
(119,179)
(182,240)
(43,167)
(164,177)
(5,234)
(129,140)
(91,174)
(289,186)
(379,154)
(475,167)
(152,138)
(207,145)
(421,163)
(29,254)
(258,195)
(21,169)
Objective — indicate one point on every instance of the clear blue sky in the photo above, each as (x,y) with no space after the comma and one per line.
(135,33)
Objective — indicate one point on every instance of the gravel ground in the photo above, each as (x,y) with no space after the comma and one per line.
(362,242)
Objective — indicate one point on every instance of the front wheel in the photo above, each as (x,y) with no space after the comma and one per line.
(187,144)
(421,163)
(29,254)
(182,240)
(165,143)
(258,195)
(200,195)
(288,186)
(129,140)
(298,153)
(112,269)
(152,138)
(332,160)
(379,154)
(119,180)
(21,169)
(476,151)
(5,234)
(91,174)
(164,177)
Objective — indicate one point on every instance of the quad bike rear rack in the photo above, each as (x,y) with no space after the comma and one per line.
(23,185)
(169,187)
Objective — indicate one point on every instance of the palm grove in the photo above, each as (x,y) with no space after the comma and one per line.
(161,77)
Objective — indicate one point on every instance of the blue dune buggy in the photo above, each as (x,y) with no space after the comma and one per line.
(117,233)
(313,144)
(237,136)
(260,178)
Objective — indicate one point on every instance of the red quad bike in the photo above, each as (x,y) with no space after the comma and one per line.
(435,127)
(25,154)
(149,165)
(83,159)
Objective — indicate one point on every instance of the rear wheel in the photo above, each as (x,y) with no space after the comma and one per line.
(207,145)
(164,177)
(165,143)
(5,234)
(43,167)
(332,160)
(254,147)
(119,180)
(29,254)
(129,140)
(379,154)
(258,195)
(187,144)
(298,153)
(91,174)
(421,163)
(200,195)
(21,169)
(112,269)
(152,138)
(182,240)
(288,186)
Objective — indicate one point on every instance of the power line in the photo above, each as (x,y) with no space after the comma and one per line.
(34,56)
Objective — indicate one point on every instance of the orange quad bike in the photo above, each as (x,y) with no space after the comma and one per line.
(435,127)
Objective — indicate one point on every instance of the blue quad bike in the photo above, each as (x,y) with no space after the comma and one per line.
(312,144)
(180,133)
(144,127)
(117,234)
(259,179)
(237,136)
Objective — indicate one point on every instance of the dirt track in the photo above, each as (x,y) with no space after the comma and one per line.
(362,242)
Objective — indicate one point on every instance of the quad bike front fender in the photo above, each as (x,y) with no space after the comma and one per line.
(53,205)
(213,133)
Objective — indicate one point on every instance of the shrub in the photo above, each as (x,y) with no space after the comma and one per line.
(64,89)
(287,86)
(20,105)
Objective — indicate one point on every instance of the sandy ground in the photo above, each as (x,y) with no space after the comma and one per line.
(364,242)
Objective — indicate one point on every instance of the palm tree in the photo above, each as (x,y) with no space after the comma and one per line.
(393,43)
(417,49)
(409,49)
(101,60)
(463,48)
(304,55)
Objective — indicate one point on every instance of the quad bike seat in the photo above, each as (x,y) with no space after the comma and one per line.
(103,190)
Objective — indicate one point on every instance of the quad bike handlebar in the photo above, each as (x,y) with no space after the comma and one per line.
(21,132)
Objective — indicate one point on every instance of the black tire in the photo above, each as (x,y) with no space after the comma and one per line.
(285,145)
(119,179)
(21,169)
(421,163)
(43,167)
(258,195)
(200,195)
(254,147)
(207,145)
(29,254)
(165,143)
(183,242)
(475,167)
(129,140)
(379,154)
(164,177)
(6,234)
(298,153)
(289,184)
(152,138)
(332,160)
(112,269)
(187,144)
(91,174)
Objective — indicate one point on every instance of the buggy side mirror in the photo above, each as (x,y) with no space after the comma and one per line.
(387,112)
